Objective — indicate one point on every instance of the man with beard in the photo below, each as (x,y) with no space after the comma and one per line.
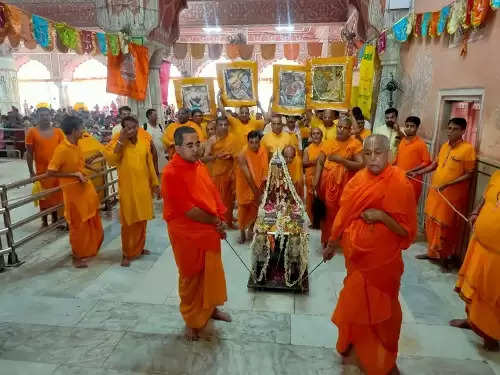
(390,130)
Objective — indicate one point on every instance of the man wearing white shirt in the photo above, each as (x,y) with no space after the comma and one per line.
(156,131)
(123,112)
(390,129)
(291,127)
(357,113)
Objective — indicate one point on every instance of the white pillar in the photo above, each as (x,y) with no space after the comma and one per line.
(9,89)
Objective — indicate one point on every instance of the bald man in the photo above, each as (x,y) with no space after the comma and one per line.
(375,222)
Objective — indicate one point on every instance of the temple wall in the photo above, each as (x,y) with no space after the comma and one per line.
(430,65)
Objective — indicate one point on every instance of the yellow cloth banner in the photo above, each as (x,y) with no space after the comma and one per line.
(354,96)
(366,74)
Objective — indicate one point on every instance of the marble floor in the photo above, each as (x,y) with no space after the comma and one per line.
(107,320)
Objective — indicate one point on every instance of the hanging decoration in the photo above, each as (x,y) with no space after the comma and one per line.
(433,25)
(67,35)
(495,4)
(457,16)
(417,30)
(426,19)
(197,51)
(479,12)
(314,49)
(366,75)
(113,44)
(102,43)
(291,51)
(86,41)
(468,14)
(399,29)
(3,19)
(214,51)
(382,43)
(41,31)
(245,51)
(443,18)
(268,51)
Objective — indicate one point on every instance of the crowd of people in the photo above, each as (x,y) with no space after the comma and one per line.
(360,189)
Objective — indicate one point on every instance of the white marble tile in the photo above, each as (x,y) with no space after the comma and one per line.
(436,341)
(442,366)
(273,302)
(311,330)
(77,370)
(44,310)
(24,368)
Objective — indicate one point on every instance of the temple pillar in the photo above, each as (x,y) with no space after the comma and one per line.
(9,89)
(391,68)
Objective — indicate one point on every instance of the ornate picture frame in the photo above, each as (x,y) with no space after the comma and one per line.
(196,93)
(238,82)
(329,83)
(289,89)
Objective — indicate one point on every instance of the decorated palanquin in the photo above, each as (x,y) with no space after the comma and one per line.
(280,247)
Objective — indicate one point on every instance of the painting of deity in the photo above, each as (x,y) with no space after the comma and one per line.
(238,81)
(330,82)
(195,93)
(289,89)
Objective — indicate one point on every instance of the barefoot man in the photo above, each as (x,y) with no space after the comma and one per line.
(251,175)
(81,203)
(194,212)
(376,221)
(137,181)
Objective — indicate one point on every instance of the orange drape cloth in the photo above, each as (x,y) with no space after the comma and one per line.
(136,178)
(442,224)
(222,172)
(258,165)
(478,279)
(196,246)
(81,203)
(313,151)
(274,142)
(333,179)
(412,153)
(43,150)
(136,85)
(241,130)
(90,146)
(168,135)
(368,314)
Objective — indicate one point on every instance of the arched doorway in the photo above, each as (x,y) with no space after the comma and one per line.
(174,73)
(88,85)
(35,85)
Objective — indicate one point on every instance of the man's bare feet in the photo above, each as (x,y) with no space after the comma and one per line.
(79,263)
(491,345)
(191,334)
(242,238)
(460,323)
(146,252)
(125,262)
(220,315)
(347,352)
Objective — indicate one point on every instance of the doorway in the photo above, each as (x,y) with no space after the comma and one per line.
(466,103)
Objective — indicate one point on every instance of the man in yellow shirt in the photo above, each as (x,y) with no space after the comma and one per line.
(329,126)
(243,123)
(277,139)
(130,151)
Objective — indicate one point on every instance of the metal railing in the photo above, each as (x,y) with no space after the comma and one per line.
(7,205)
(7,140)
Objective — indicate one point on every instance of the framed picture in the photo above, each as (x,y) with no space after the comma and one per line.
(329,82)
(238,83)
(196,93)
(289,89)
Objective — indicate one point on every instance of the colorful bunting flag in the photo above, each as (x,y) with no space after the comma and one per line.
(86,41)
(41,31)
(411,22)
(113,44)
(443,18)
(382,43)
(468,14)
(495,4)
(418,25)
(101,42)
(67,35)
(399,29)
(457,16)
(479,12)
(434,24)
(426,19)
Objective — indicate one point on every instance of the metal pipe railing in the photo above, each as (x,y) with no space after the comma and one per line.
(6,207)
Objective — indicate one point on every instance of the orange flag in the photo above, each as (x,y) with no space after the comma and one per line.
(128,74)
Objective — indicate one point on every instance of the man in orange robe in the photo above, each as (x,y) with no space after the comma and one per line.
(376,220)
(358,128)
(454,168)
(478,281)
(412,153)
(338,160)
(41,143)
(130,151)
(81,203)
(219,157)
(295,170)
(242,124)
(311,154)
(277,139)
(182,120)
(193,211)
(251,175)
